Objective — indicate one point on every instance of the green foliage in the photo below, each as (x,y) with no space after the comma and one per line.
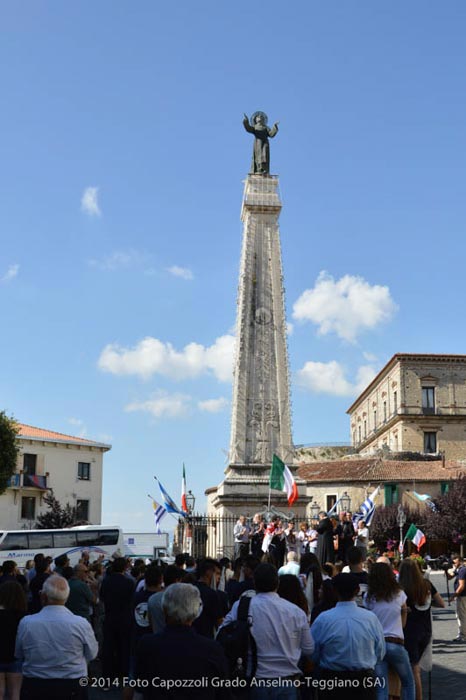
(57,516)
(9,449)
(384,525)
(448,521)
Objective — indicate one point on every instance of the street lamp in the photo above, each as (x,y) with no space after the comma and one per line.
(190,501)
(345,501)
(401,518)
(315,510)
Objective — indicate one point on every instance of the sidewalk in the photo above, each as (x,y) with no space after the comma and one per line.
(448,676)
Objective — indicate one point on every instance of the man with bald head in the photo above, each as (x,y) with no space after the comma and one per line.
(81,598)
(55,647)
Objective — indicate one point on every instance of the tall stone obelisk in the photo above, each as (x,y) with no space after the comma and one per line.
(260,425)
(260,422)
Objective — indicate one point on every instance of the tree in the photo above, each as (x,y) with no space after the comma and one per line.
(448,520)
(384,525)
(9,449)
(57,516)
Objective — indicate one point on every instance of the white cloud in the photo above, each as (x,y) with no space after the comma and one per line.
(79,426)
(369,357)
(10,274)
(118,259)
(346,306)
(213,405)
(289,329)
(152,356)
(89,201)
(105,437)
(183,272)
(329,378)
(162,405)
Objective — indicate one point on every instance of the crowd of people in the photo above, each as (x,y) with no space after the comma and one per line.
(322,621)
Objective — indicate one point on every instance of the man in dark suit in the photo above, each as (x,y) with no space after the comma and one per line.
(178,662)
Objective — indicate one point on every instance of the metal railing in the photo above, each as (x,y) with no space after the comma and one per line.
(35,481)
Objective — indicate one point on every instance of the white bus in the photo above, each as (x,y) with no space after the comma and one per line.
(22,545)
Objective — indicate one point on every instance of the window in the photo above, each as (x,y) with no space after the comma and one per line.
(365,429)
(391,494)
(384,411)
(84,471)
(428,400)
(330,501)
(29,464)
(64,539)
(359,433)
(14,541)
(430,443)
(375,420)
(87,538)
(107,537)
(395,402)
(28,508)
(444,486)
(82,509)
(40,540)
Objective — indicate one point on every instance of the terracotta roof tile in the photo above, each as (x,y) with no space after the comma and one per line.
(29,431)
(378,470)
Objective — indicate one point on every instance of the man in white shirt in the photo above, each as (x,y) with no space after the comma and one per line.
(241,535)
(55,647)
(292,567)
(361,538)
(281,632)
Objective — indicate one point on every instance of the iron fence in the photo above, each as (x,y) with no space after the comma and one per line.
(206,535)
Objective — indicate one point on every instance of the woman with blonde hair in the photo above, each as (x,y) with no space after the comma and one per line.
(421,595)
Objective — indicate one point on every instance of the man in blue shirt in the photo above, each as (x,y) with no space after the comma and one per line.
(459,595)
(349,641)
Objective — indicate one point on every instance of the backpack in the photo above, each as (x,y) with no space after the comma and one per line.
(236,640)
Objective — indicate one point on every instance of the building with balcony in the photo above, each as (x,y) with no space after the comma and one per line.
(71,466)
(417,403)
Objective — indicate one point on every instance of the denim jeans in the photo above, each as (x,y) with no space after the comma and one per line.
(397,657)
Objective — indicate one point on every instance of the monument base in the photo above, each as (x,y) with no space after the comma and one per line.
(245,491)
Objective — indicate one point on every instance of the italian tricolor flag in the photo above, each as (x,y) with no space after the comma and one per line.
(416,536)
(184,505)
(282,479)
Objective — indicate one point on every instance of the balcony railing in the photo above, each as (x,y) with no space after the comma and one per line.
(34,481)
(428,410)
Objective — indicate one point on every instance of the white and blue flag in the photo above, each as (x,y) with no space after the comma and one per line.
(366,510)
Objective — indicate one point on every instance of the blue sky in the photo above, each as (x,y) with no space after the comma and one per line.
(123,157)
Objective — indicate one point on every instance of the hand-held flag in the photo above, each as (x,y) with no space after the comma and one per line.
(282,479)
(367,509)
(168,502)
(159,514)
(416,536)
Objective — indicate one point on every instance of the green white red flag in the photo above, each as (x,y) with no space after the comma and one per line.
(282,479)
(416,536)
(184,505)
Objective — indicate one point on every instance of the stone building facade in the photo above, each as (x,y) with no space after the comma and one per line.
(70,466)
(417,403)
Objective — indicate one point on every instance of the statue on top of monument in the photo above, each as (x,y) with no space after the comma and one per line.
(261,153)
